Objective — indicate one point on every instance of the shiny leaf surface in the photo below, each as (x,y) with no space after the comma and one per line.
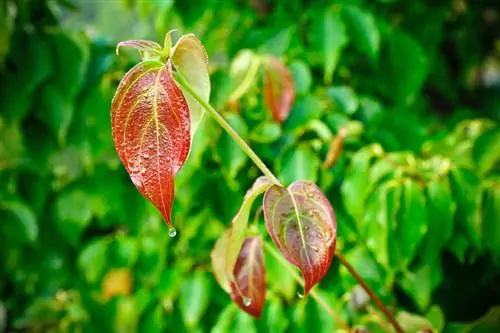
(151,131)
(249,287)
(302,224)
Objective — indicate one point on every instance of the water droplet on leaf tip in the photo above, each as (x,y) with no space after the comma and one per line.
(172,232)
(299,295)
(247,301)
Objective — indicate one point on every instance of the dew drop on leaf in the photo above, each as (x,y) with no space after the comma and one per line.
(299,295)
(136,179)
(172,232)
(247,301)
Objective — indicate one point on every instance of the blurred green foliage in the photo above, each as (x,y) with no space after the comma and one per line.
(416,191)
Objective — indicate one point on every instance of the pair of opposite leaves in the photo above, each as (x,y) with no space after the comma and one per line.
(153,121)
(300,221)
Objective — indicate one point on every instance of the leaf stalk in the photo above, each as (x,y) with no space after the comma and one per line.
(369,291)
(225,125)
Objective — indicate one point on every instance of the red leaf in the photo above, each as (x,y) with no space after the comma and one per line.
(151,131)
(249,288)
(279,92)
(302,224)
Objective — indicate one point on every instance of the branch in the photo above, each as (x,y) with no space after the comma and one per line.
(369,291)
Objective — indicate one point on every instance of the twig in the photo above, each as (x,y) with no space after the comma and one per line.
(369,291)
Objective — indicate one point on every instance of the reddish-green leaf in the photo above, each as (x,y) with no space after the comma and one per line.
(249,287)
(279,91)
(302,224)
(151,131)
(240,222)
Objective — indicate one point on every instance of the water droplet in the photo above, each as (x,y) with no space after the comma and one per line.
(247,301)
(172,232)
(136,179)
(299,295)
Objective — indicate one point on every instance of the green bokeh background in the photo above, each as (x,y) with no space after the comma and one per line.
(416,191)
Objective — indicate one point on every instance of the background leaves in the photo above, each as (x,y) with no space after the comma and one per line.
(427,115)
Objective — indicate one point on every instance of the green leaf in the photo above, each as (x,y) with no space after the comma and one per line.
(171,282)
(465,189)
(404,68)
(305,110)
(440,215)
(344,98)
(70,63)
(194,298)
(56,111)
(14,98)
(302,78)
(225,319)
(243,73)
(93,259)
(266,132)
(436,316)
(487,151)
(489,323)
(379,226)
(190,59)
(280,280)
(328,38)
(25,225)
(299,164)
(412,323)
(230,154)
(73,211)
(219,260)
(418,285)
(491,221)
(363,30)
(152,321)
(354,188)
(37,65)
(459,244)
(127,318)
(274,316)
(244,323)
(125,251)
(412,226)
(278,43)
(11,145)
